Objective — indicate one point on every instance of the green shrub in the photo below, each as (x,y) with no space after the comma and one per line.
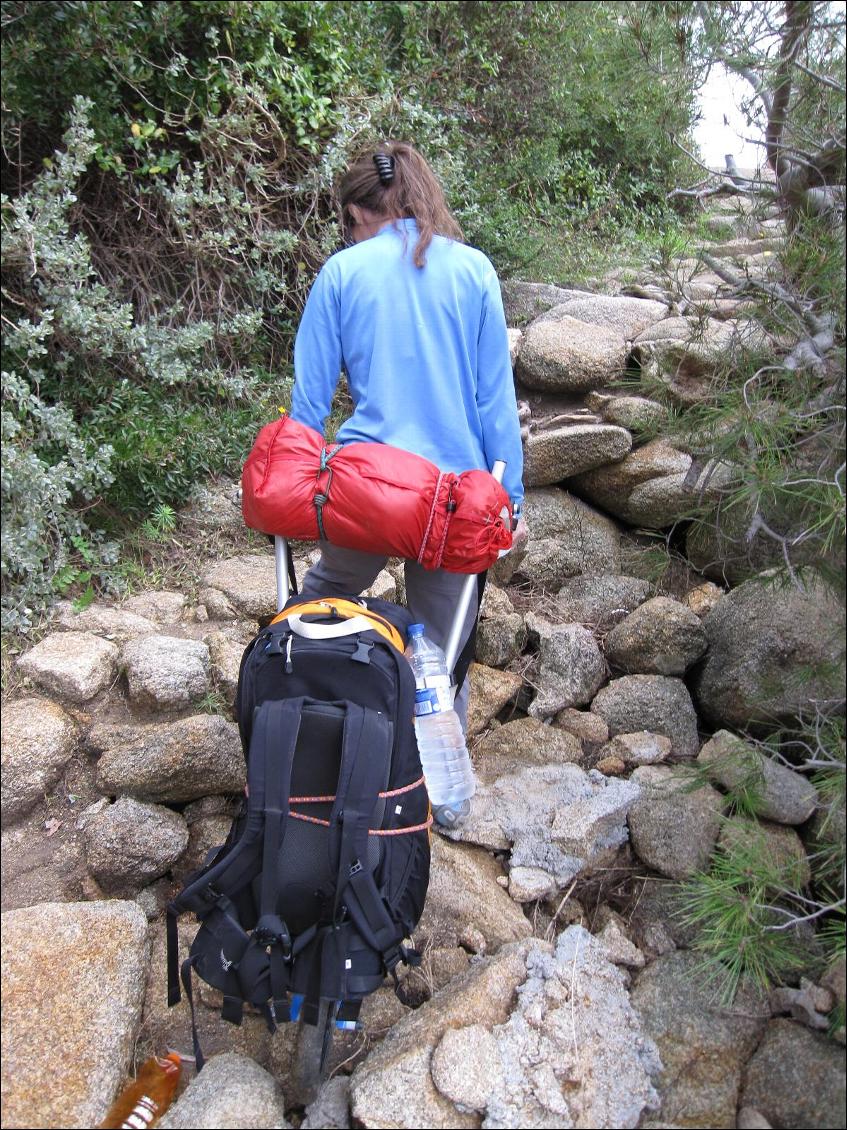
(104,415)
(758,919)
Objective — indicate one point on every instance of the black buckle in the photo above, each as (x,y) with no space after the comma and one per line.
(362,654)
(392,959)
(269,931)
(410,957)
(355,867)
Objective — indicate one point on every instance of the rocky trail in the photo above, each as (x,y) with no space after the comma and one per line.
(558,987)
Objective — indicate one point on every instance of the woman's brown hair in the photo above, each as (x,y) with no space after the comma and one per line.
(410,189)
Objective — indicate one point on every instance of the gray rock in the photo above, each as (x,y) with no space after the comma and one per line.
(743,248)
(773,653)
(673,830)
(247,581)
(567,355)
(636,413)
(584,725)
(703,1046)
(393,1085)
(567,538)
(654,460)
(655,924)
(750,1119)
(650,702)
(73,665)
(663,501)
(629,316)
(39,739)
(661,637)
(331,1108)
(491,690)
(225,661)
(129,844)
(464,895)
(796,1078)
(217,604)
(503,569)
(573,1052)
(641,748)
(163,607)
(570,667)
(650,486)
(496,603)
(554,454)
(618,947)
(154,899)
(668,329)
(602,599)
(170,762)
(527,741)
(777,792)
(651,290)
(515,337)
(803,1004)
(164,672)
(524,301)
(501,639)
(556,819)
(232,1091)
(687,366)
(209,821)
(466,1066)
(107,620)
(835,980)
(74,976)
(704,290)
(703,598)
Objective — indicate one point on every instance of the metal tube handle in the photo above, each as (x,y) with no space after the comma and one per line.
(281,561)
(451,651)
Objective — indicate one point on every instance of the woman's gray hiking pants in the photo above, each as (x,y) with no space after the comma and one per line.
(431,595)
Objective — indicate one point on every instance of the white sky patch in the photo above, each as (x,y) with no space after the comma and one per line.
(723,128)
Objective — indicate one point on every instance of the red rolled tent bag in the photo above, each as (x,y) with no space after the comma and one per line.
(373,497)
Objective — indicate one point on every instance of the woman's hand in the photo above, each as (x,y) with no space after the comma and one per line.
(520,536)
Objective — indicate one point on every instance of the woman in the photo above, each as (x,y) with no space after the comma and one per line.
(415,318)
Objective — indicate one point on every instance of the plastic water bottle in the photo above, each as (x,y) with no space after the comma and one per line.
(441,742)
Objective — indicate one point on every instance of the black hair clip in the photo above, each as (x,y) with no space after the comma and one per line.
(385,167)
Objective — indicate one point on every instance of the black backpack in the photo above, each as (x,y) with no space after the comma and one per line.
(324,874)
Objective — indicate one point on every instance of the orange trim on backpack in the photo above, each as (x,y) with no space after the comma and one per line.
(345,609)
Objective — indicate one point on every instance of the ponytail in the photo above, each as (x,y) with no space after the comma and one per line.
(395,180)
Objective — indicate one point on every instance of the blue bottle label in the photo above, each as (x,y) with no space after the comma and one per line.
(426,702)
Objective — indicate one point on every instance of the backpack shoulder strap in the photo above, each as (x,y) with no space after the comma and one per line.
(275,731)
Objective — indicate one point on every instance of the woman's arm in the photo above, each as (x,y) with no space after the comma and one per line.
(496,401)
(317,353)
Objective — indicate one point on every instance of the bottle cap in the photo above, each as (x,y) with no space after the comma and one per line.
(415,630)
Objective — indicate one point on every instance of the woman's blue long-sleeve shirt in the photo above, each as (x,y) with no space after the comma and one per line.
(425,351)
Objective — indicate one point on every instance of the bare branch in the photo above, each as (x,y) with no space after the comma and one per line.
(824,80)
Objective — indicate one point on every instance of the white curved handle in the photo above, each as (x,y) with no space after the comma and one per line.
(328,631)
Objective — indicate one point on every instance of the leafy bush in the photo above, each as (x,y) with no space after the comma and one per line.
(760,918)
(102,414)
